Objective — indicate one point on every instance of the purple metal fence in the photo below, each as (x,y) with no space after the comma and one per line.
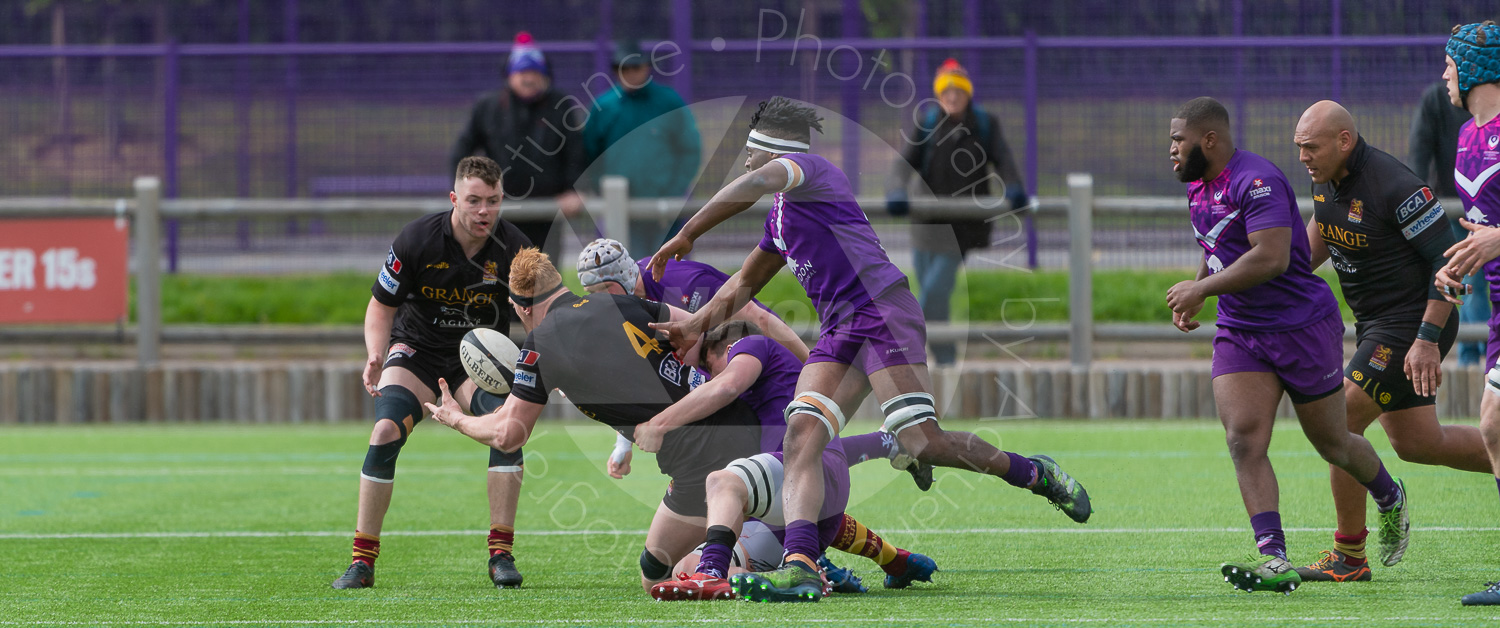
(286,108)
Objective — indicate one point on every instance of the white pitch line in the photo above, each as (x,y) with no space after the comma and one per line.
(342,533)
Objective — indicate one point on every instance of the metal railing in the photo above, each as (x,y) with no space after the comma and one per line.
(149,211)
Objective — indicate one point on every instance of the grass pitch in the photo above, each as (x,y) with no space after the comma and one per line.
(247,525)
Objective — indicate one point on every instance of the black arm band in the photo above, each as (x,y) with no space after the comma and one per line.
(1429,332)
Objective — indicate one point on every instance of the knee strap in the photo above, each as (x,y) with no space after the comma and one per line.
(653,569)
(395,404)
(485,402)
(903,411)
(820,406)
(501,462)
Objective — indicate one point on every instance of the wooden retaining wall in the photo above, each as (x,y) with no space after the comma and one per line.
(306,392)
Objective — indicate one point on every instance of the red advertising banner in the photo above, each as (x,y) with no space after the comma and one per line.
(63,270)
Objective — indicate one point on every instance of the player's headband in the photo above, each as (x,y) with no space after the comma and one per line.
(531,300)
(761,141)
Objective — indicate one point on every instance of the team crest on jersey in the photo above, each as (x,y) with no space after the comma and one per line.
(393,262)
(491,273)
(1356,211)
(1494,141)
(1218,196)
(439,265)
(1381,358)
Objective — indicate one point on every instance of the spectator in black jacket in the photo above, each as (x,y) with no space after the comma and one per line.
(1433,149)
(525,128)
(952,151)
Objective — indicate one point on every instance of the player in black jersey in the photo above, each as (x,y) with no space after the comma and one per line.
(443,276)
(1386,234)
(599,351)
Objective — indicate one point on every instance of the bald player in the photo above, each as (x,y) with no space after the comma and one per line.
(1386,233)
(1279,331)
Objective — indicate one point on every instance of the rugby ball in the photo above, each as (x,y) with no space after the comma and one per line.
(489,357)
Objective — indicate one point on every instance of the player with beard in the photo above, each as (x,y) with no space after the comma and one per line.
(1279,331)
(872,331)
(1473,77)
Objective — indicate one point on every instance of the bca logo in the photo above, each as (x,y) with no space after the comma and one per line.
(393,262)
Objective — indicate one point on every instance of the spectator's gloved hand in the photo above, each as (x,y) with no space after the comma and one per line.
(897,203)
(1017,197)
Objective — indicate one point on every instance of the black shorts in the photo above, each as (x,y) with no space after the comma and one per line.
(1379,363)
(428,365)
(689,460)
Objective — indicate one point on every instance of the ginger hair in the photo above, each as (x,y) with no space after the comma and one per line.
(532,273)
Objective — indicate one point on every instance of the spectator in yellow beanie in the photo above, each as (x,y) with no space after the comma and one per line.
(945,158)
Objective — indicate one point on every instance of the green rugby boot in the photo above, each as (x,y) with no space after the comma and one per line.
(1259,572)
(793,582)
(1061,489)
(1395,530)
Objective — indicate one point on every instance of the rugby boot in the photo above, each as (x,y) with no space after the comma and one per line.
(793,582)
(1395,530)
(359,575)
(697,586)
(1061,489)
(503,571)
(1334,567)
(921,472)
(1259,572)
(919,568)
(1488,597)
(842,580)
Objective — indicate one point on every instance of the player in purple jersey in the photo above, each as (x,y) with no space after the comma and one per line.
(873,333)
(763,374)
(605,266)
(1473,77)
(1279,330)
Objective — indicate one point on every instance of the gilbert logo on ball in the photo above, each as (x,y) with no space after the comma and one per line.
(489,358)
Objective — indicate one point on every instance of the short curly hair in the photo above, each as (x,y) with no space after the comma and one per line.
(787,119)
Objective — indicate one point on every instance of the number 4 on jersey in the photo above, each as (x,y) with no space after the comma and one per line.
(643,342)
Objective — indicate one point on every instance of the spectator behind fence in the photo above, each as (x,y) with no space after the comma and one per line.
(523,127)
(642,130)
(1433,151)
(951,151)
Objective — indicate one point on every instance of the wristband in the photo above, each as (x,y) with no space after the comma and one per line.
(1429,332)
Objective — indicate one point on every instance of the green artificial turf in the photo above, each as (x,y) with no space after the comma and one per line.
(246,525)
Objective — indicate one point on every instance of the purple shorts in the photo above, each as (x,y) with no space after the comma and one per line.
(887,331)
(1308,361)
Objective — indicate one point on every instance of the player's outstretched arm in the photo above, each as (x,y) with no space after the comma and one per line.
(506,429)
(738,291)
(736,197)
(706,399)
(379,318)
(774,328)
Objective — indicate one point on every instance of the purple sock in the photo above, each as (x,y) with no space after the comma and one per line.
(1022,473)
(866,447)
(1268,535)
(1385,490)
(802,538)
(1497,483)
(716,551)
